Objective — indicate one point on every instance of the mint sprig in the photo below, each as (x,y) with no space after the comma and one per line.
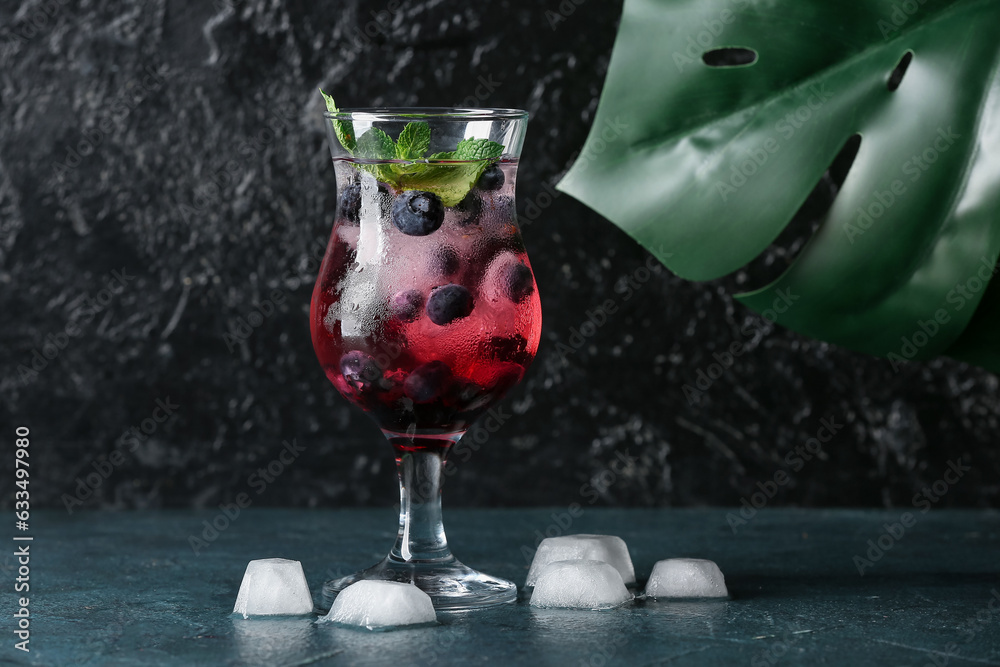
(450,181)
(414,141)
(375,145)
(343,128)
(478,149)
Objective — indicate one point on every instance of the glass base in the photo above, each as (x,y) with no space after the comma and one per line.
(451,585)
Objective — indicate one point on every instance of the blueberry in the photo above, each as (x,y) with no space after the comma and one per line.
(518,283)
(448,303)
(427,382)
(444,262)
(492,178)
(360,370)
(417,213)
(406,305)
(350,201)
(469,209)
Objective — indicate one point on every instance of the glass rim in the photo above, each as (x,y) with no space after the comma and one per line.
(427,113)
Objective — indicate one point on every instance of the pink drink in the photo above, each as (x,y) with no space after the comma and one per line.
(425,332)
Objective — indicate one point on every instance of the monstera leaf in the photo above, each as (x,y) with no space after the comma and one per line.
(704,165)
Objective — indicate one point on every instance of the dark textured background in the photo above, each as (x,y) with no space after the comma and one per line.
(213,187)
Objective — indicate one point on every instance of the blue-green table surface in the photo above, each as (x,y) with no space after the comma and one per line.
(127,589)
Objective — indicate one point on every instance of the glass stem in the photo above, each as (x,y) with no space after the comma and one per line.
(420,462)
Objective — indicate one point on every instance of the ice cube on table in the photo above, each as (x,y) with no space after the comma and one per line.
(579,584)
(381,604)
(273,587)
(686,578)
(607,548)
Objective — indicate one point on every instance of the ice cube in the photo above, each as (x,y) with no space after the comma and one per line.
(579,584)
(380,604)
(273,587)
(686,578)
(607,548)
(349,235)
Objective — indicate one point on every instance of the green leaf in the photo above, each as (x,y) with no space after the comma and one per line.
(451,182)
(478,149)
(376,145)
(711,163)
(331,106)
(413,141)
(343,128)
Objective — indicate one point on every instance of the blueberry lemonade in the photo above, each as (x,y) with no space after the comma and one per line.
(425,312)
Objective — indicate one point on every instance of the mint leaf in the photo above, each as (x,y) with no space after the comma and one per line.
(413,141)
(331,106)
(376,145)
(343,128)
(420,171)
(382,172)
(478,149)
(450,182)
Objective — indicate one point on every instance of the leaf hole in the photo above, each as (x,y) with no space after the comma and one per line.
(841,165)
(782,253)
(730,56)
(897,75)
